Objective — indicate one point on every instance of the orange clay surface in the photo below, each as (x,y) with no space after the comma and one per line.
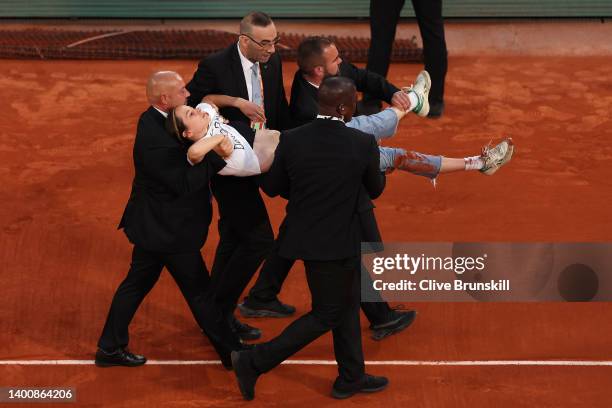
(67,130)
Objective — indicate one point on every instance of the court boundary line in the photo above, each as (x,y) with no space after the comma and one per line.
(455,363)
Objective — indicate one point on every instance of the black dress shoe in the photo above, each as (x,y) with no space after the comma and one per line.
(256,308)
(243,330)
(120,357)
(397,322)
(436,109)
(245,373)
(370,383)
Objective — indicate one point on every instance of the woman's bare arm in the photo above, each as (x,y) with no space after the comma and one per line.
(198,150)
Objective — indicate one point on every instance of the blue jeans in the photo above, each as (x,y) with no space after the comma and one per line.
(384,125)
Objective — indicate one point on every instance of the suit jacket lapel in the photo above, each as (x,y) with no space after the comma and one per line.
(267,77)
(238,73)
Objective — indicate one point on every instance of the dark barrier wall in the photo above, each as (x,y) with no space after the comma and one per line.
(295,9)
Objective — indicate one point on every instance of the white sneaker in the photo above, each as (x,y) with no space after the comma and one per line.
(495,158)
(421,88)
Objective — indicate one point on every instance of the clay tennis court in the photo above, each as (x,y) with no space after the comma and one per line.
(67,131)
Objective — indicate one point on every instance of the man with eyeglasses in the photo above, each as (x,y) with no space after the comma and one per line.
(245,81)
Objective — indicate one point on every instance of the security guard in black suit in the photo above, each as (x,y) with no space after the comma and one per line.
(322,167)
(245,81)
(166,219)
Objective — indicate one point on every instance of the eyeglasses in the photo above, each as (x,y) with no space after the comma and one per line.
(264,43)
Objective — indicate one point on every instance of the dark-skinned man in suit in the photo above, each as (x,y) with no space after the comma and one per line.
(322,167)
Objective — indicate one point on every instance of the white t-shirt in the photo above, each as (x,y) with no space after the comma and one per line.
(243,161)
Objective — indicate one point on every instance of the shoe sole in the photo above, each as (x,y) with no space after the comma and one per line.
(508,157)
(381,333)
(248,312)
(106,365)
(392,322)
(341,395)
(249,337)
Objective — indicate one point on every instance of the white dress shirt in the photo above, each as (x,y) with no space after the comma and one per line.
(164,114)
(246,68)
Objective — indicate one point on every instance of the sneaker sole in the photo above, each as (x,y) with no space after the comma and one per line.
(392,322)
(345,395)
(382,333)
(248,312)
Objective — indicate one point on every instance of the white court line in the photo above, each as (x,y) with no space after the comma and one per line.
(583,363)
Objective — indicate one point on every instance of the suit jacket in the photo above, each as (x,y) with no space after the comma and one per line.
(221,73)
(304,109)
(169,207)
(322,166)
(303,105)
(239,198)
